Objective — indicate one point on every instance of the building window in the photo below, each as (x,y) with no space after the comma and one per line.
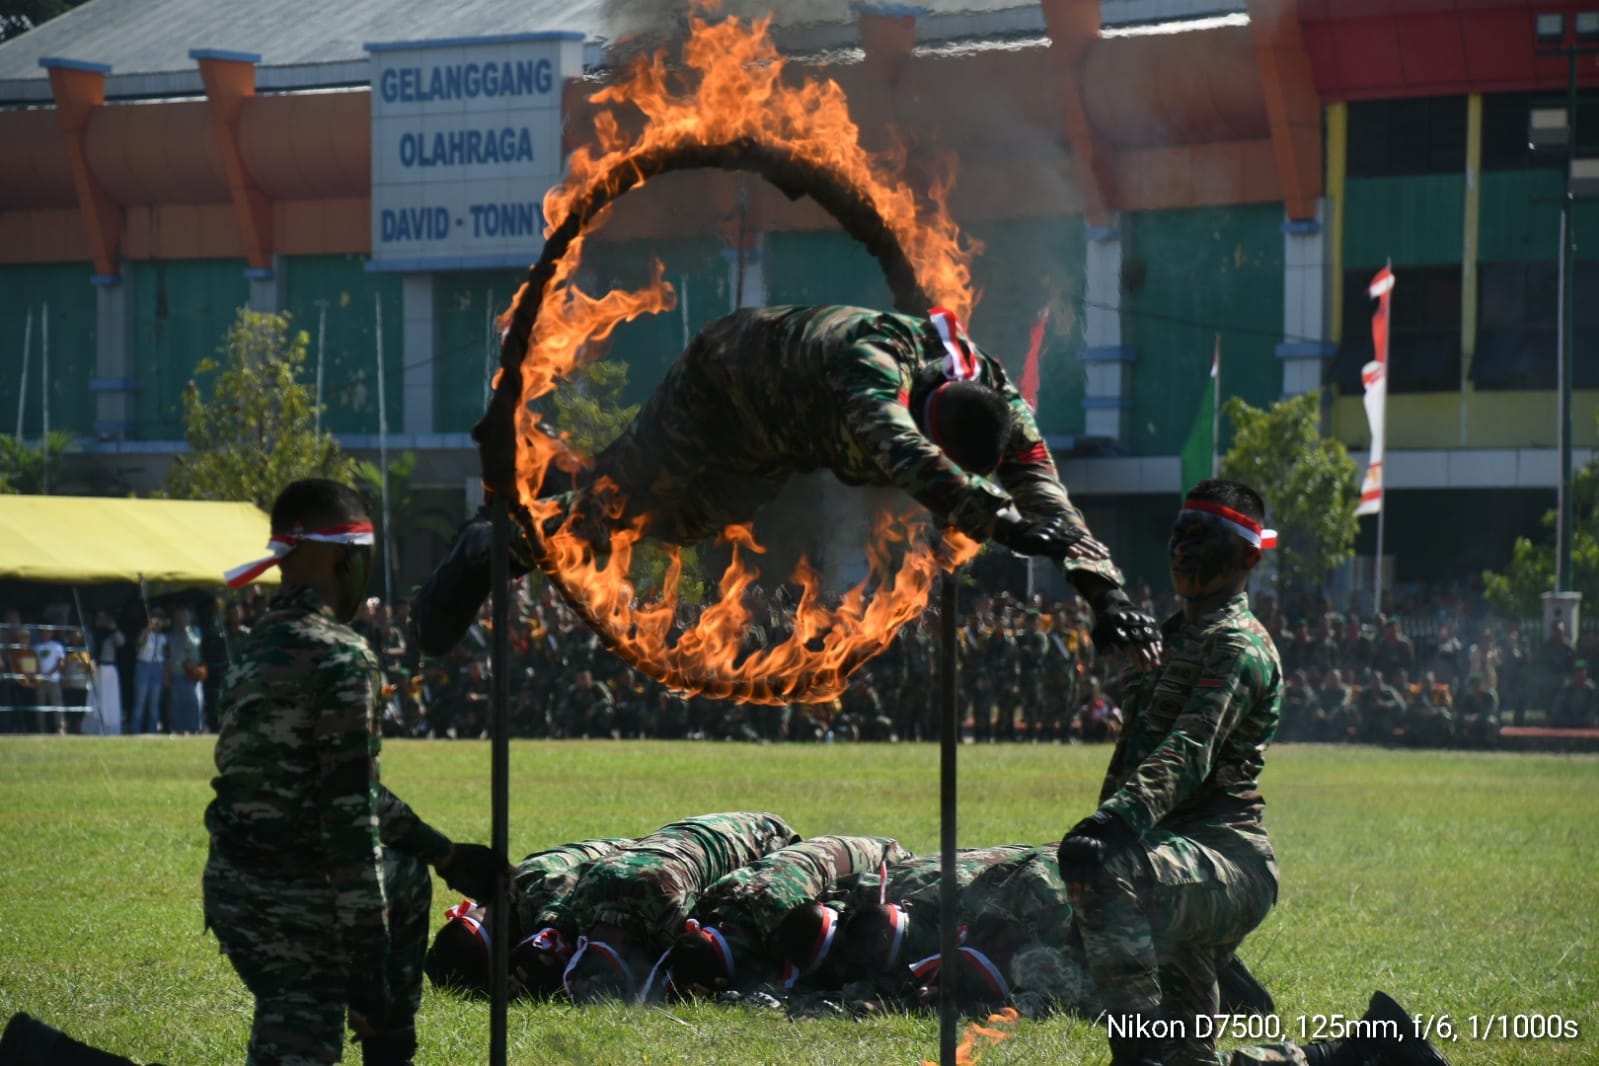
(1517,317)
(1424,331)
(1505,118)
(1424,135)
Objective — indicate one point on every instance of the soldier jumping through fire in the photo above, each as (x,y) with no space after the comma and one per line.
(877,398)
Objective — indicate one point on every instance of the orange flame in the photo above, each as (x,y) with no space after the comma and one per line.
(969,1051)
(733,92)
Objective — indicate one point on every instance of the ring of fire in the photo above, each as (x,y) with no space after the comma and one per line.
(801,139)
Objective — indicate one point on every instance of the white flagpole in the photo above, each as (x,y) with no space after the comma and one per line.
(321,350)
(1215,410)
(22,383)
(490,349)
(383,463)
(44,396)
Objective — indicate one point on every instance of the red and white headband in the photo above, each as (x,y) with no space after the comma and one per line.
(282,544)
(606,952)
(1240,523)
(714,936)
(960,360)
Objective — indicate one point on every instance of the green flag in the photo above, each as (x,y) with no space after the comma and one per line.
(1199,450)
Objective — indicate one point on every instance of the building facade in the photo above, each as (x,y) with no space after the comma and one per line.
(1162,177)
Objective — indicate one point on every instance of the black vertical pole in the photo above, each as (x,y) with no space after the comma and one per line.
(499,779)
(948,898)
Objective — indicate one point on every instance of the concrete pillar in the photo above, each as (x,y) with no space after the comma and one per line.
(416,315)
(1107,363)
(1307,293)
(266,291)
(114,382)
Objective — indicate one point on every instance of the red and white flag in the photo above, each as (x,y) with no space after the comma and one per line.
(1374,376)
(1035,348)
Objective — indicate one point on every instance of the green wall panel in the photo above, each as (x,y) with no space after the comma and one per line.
(696,269)
(466,343)
(1415,221)
(72,308)
(181,312)
(349,293)
(1519,218)
(1026,266)
(823,267)
(1186,276)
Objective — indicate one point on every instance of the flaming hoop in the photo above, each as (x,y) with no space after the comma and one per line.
(739,117)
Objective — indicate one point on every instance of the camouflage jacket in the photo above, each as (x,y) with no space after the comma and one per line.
(916,884)
(747,904)
(1197,727)
(297,785)
(798,389)
(545,878)
(649,888)
(1024,893)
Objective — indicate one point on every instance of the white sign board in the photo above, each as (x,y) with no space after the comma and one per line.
(466,139)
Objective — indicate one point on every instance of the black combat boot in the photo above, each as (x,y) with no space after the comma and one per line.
(450,598)
(392,1047)
(1134,1051)
(1241,993)
(29,1042)
(1394,1036)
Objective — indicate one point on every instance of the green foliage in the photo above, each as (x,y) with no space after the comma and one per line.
(409,511)
(1517,591)
(20,16)
(22,465)
(1394,876)
(1308,481)
(253,431)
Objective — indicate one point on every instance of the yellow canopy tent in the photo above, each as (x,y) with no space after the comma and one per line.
(87,539)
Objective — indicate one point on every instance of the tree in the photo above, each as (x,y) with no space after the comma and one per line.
(20,16)
(254,431)
(22,466)
(409,512)
(1308,481)
(1517,591)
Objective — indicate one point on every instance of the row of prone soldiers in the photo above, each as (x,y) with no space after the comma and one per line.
(1022,674)
(736,906)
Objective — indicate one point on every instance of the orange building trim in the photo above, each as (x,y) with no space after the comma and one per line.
(1294,108)
(79,91)
(229,82)
(1073,27)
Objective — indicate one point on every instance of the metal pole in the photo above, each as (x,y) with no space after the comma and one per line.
(321,349)
(383,464)
(491,347)
(1215,412)
(1563,526)
(22,383)
(1376,581)
(948,894)
(499,777)
(44,398)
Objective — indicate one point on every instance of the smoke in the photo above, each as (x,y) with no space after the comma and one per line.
(1045,980)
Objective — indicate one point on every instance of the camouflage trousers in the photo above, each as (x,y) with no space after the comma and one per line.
(1163,919)
(681,461)
(273,925)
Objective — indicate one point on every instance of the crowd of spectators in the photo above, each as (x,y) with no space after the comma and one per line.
(1028,672)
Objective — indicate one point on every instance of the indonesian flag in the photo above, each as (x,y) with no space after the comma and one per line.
(1374,376)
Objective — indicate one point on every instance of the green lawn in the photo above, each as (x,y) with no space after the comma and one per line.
(1465,884)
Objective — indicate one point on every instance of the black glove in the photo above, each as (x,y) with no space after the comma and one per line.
(1050,537)
(1089,843)
(1117,623)
(472,869)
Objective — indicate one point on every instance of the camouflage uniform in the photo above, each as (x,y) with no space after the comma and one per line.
(747,905)
(765,393)
(649,888)
(916,884)
(545,878)
(1165,915)
(313,863)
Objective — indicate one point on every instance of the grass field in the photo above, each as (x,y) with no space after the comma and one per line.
(1464,884)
